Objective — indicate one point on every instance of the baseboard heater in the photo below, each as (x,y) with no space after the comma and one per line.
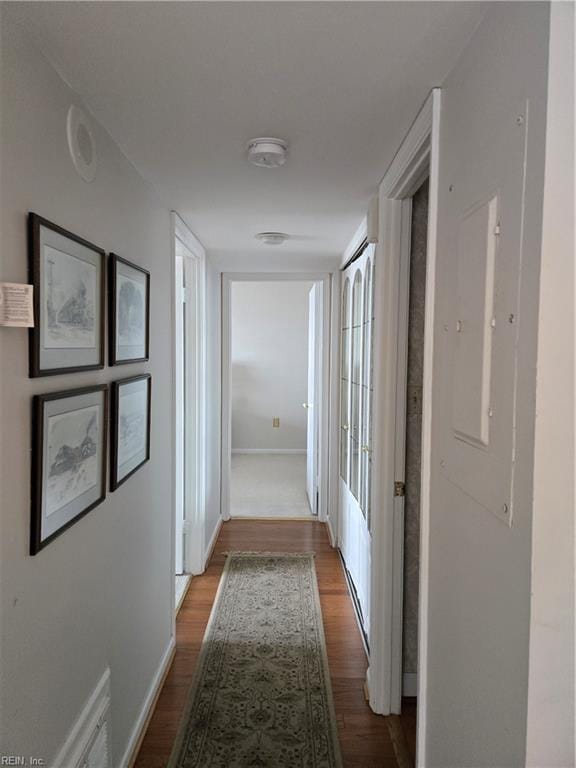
(356,604)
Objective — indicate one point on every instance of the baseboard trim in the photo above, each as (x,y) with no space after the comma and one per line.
(269,450)
(410,684)
(139,730)
(212,543)
(184,593)
(333,542)
(278,518)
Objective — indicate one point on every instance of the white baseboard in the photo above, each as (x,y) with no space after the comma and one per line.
(141,724)
(331,536)
(269,450)
(212,542)
(410,684)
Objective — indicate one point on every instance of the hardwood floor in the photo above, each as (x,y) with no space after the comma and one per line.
(364,737)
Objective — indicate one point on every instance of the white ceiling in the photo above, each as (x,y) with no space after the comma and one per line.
(182,86)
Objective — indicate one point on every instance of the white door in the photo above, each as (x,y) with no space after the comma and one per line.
(314,331)
(356,391)
(188,396)
(180,390)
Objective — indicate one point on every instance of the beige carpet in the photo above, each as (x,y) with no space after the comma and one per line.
(269,485)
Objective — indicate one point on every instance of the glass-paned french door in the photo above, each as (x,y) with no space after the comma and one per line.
(356,396)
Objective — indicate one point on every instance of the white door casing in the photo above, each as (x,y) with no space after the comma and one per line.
(314,347)
(179,365)
(189,388)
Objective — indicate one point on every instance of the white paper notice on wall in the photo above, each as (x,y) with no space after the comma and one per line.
(16,306)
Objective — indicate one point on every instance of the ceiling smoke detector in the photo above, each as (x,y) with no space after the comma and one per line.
(272,238)
(267,152)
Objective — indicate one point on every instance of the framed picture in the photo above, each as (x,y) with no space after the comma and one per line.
(129,312)
(130,443)
(68,274)
(68,460)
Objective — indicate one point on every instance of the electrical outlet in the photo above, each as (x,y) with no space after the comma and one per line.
(276,421)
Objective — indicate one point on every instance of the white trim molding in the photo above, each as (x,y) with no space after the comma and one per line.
(195,480)
(356,241)
(141,724)
(212,543)
(416,158)
(410,684)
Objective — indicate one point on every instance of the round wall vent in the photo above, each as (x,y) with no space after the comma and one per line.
(272,238)
(81,143)
(267,152)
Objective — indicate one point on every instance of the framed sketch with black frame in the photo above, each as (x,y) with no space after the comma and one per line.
(130,437)
(68,459)
(129,312)
(69,278)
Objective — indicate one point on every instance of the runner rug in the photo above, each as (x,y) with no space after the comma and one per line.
(261,695)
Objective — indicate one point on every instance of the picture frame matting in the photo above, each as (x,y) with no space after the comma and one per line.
(69,460)
(69,278)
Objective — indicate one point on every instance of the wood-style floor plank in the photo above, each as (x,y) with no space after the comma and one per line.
(364,737)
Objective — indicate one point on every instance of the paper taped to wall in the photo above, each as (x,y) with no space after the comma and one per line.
(16,307)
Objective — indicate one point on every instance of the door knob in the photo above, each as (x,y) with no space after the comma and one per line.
(345,427)
(306,405)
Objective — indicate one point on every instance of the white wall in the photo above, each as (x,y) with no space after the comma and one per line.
(269,364)
(551,717)
(100,594)
(479,572)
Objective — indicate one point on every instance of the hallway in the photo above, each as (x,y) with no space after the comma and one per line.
(364,737)
(292,281)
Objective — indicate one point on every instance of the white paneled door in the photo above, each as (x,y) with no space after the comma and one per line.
(356,392)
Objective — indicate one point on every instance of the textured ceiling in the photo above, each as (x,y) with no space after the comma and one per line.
(182,86)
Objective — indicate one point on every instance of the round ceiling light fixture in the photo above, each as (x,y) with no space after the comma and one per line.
(272,238)
(267,152)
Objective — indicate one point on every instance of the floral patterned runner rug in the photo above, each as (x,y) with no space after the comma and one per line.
(261,695)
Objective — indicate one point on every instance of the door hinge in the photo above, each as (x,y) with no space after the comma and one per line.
(399,488)
(185,527)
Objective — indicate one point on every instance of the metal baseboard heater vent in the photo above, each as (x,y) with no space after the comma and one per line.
(88,743)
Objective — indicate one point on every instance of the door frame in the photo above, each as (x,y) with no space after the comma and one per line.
(195,438)
(314,356)
(325,279)
(417,158)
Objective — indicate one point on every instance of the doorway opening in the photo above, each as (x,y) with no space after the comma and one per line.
(189,371)
(275,417)
(409,450)
(405,278)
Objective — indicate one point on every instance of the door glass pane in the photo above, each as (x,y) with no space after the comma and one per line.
(370,408)
(364,438)
(345,383)
(356,384)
